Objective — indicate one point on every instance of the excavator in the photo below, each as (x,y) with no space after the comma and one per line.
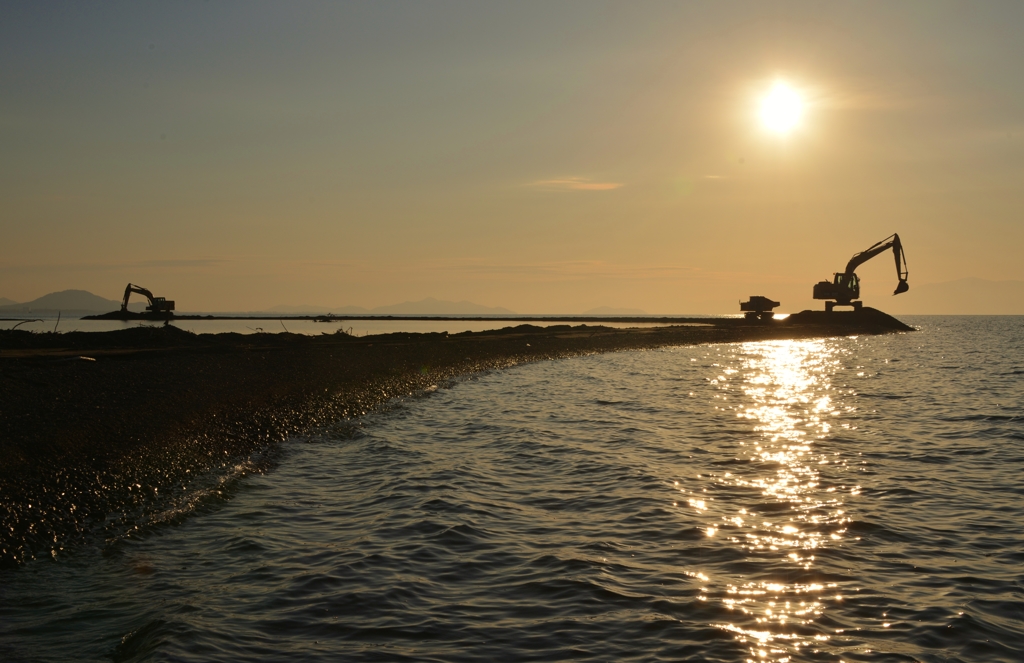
(156,304)
(845,287)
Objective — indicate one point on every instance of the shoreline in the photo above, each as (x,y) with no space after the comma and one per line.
(332,317)
(102,432)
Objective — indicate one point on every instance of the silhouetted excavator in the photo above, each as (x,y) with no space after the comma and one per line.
(845,288)
(156,304)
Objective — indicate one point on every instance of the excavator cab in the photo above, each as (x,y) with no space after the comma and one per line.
(849,283)
(844,288)
(160,305)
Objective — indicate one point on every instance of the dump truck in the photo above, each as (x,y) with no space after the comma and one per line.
(758,307)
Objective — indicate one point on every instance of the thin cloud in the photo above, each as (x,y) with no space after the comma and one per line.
(201,262)
(575,184)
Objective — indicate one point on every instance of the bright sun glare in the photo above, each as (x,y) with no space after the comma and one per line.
(781,109)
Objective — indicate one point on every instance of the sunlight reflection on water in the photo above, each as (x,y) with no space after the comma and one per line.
(773,508)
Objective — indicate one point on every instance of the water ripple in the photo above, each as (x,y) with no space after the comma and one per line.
(827,500)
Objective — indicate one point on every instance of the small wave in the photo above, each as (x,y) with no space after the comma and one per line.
(141,642)
(984,417)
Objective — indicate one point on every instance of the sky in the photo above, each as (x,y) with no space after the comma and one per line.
(547,157)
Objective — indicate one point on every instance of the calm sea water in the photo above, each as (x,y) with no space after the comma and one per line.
(855,499)
(355,327)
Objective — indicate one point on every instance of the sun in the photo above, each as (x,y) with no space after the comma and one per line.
(782,109)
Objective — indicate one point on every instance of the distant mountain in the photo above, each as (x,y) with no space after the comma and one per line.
(6,302)
(969,296)
(609,310)
(439,307)
(66,300)
(315,309)
(428,306)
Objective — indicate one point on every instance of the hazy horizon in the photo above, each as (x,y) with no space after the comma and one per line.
(542,157)
(971,296)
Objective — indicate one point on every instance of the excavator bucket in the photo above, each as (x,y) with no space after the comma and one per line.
(902,287)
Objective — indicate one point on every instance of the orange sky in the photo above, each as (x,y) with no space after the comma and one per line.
(544,157)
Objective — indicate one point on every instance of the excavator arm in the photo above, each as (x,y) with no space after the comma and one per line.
(138,290)
(891,242)
(845,288)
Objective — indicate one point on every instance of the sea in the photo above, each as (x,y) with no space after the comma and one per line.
(225,323)
(841,499)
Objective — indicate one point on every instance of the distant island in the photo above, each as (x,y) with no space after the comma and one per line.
(68,301)
(85,302)
(967,296)
(428,306)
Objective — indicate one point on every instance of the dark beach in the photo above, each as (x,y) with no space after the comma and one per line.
(102,431)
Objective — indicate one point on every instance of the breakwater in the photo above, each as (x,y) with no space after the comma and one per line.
(103,432)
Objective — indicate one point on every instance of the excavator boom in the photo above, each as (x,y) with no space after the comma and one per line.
(846,286)
(138,290)
(892,242)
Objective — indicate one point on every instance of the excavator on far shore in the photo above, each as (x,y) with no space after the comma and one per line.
(844,289)
(157,305)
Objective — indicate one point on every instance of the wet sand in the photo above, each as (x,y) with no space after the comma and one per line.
(100,432)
